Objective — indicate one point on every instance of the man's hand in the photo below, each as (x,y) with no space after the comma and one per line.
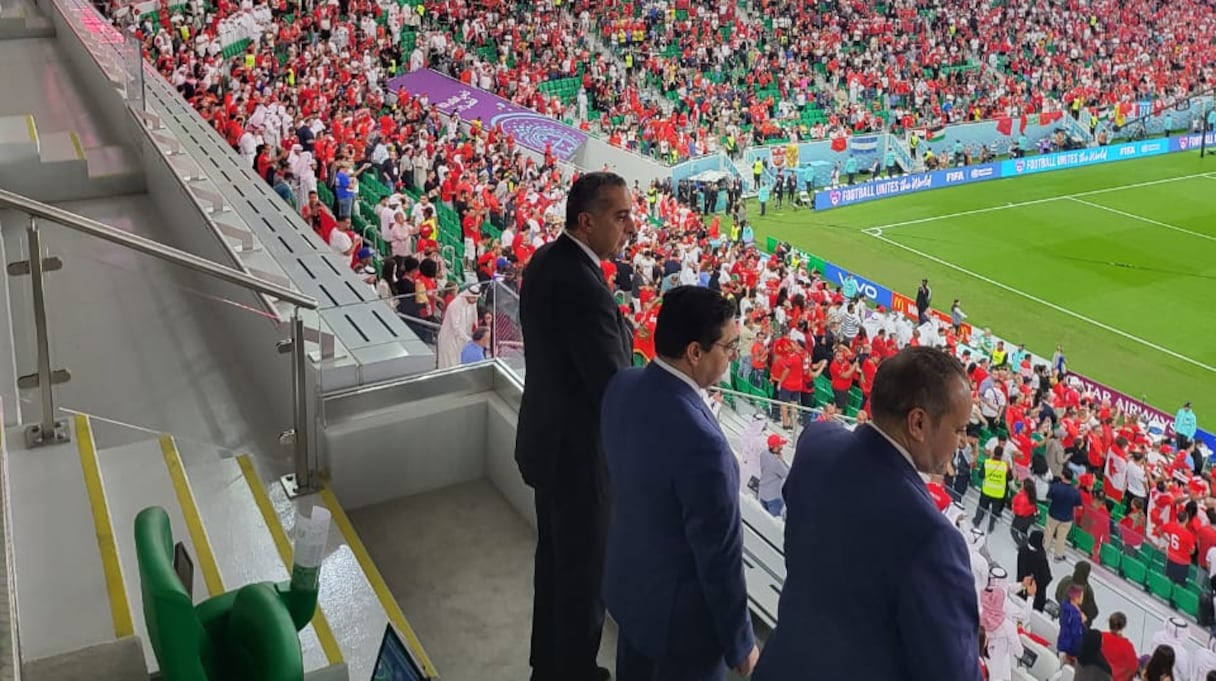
(749,664)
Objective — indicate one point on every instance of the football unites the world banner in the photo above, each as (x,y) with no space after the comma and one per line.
(947,177)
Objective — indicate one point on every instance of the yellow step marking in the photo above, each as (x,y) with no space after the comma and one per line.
(194,521)
(329,644)
(120,607)
(376,580)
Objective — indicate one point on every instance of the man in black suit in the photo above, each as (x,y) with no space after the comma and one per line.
(576,340)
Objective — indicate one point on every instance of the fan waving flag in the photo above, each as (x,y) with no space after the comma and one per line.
(1114,478)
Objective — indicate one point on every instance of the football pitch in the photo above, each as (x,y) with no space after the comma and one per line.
(1116,262)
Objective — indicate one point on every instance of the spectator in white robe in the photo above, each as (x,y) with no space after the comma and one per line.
(459,320)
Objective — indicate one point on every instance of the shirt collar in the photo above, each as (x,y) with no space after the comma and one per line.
(898,447)
(595,259)
(701,392)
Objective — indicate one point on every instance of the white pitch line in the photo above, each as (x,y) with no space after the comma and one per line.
(1057,308)
(1141,218)
(1035,202)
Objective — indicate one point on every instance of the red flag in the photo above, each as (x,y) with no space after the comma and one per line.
(1048,117)
(840,144)
(1022,125)
(1114,478)
(1004,126)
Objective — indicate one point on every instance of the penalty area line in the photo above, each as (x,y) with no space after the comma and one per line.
(1047,303)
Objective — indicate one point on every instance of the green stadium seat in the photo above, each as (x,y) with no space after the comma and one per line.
(243,635)
(1187,601)
(1160,586)
(1084,542)
(1134,570)
(1110,556)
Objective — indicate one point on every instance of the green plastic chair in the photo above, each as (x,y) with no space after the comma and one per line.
(1110,556)
(250,634)
(1187,601)
(1134,570)
(1084,541)
(1160,586)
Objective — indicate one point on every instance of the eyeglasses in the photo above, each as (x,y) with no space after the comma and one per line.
(731,348)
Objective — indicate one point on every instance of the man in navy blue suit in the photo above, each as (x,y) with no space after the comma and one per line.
(673,577)
(878,583)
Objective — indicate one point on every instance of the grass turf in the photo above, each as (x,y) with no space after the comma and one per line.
(1121,275)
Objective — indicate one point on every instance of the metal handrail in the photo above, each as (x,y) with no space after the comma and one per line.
(155,249)
(52,431)
(778,403)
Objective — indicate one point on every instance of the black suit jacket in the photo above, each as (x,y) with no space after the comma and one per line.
(575,340)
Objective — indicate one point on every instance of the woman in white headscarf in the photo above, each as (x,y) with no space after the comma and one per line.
(1004,645)
(459,320)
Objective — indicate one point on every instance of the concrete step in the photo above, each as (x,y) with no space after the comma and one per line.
(56,167)
(59,147)
(21,19)
(242,539)
(136,476)
(18,139)
(70,590)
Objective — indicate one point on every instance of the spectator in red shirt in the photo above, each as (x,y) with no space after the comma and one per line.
(937,490)
(787,374)
(843,370)
(1205,537)
(1180,546)
(1119,651)
(869,368)
(1024,512)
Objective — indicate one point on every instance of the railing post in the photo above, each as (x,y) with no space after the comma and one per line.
(303,480)
(48,431)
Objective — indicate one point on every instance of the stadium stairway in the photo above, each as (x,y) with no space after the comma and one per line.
(77,581)
(20,19)
(45,162)
(57,166)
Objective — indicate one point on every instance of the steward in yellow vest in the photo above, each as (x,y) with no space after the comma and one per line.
(993,490)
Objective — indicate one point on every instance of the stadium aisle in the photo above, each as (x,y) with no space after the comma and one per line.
(1145,615)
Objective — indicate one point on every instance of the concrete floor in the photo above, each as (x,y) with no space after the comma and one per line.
(459,561)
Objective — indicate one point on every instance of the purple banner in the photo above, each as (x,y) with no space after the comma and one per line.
(529,128)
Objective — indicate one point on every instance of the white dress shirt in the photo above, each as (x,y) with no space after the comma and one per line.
(595,259)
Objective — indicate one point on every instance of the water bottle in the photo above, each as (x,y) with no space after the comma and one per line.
(311,536)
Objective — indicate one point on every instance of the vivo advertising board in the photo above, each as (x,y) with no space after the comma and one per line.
(874,291)
(1063,160)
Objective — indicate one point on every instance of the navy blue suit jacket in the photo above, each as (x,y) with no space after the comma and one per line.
(878,583)
(673,578)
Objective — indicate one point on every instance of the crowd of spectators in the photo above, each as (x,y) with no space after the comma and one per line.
(415,199)
(674,79)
